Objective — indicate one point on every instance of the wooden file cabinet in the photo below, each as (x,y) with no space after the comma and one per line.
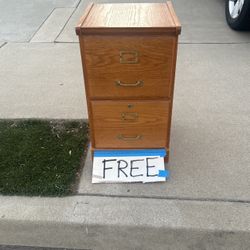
(128,57)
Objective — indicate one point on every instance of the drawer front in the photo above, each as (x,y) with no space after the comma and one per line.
(129,66)
(130,124)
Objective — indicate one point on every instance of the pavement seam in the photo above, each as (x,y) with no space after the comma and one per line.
(215,43)
(172,198)
(45,33)
(17,247)
(41,25)
(181,43)
(67,20)
(1,46)
(77,4)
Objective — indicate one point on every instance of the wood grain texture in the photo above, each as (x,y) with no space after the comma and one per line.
(121,116)
(175,17)
(83,17)
(172,94)
(148,138)
(90,118)
(133,121)
(154,67)
(127,17)
(149,113)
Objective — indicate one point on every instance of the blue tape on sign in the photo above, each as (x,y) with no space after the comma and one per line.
(163,173)
(136,152)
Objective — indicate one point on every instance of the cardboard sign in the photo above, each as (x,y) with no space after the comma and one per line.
(114,166)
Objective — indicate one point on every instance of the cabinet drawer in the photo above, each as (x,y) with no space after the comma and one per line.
(128,66)
(133,138)
(130,124)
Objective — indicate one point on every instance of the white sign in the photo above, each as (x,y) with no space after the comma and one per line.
(111,169)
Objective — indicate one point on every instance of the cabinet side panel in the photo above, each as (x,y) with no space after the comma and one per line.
(85,76)
(172,89)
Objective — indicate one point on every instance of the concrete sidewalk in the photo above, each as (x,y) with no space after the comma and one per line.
(206,202)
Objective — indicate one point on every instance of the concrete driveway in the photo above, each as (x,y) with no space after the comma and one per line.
(209,188)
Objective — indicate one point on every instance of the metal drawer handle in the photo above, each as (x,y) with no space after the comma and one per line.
(133,54)
(129,138)
(123,84)
(127,116)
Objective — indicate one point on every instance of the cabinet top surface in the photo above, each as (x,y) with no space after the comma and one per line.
(129,16)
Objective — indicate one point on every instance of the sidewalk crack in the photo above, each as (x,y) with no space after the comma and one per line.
(67,21)
(41,24)
(167,198)
(1,46)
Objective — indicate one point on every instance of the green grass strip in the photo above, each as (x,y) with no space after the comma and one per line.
(40,157)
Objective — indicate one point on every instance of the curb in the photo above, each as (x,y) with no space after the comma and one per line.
(94,222)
